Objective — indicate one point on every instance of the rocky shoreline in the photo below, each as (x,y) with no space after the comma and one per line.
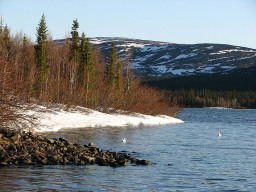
(26,148)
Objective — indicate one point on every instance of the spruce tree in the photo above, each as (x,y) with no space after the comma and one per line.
(87,69)
(74,55)
(24,62)
(112,60)
(113,72)
(75,41)
(24,41)
(41,49)
(81,68)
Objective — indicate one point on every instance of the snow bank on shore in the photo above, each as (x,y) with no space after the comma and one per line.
(54,119)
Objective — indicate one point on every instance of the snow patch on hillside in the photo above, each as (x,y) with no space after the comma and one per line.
(183,56)
(164,57)
(181,71)
(143,59)
(232,50)
(161,68)
(227,67)
(138,45)
(207,69)
(152,48)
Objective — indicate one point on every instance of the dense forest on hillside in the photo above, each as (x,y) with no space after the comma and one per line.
(71,73)
(236,89)
(210,98)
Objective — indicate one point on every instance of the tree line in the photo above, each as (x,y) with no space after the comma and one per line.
(209,98)
(73,73)
(233,90)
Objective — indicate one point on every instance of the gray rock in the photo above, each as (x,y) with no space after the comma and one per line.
(16,137)
(102,162)
(134,160)
(144,162)
(22,148)
(51,141)
(91,144)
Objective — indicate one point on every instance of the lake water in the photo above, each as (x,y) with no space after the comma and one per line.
(187,157)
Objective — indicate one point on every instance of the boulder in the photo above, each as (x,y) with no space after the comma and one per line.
(133,160)
(16,137)
(102,162)
(51,141)
(91,144)
(144,162)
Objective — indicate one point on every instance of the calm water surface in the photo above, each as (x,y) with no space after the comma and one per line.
(187,157)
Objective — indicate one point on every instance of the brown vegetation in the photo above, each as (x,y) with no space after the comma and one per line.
(19,73)
(14,79)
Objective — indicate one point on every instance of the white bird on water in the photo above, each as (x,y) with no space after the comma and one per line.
(124,140)
(219,134)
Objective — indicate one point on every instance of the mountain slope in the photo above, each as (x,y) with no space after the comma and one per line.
(161,59)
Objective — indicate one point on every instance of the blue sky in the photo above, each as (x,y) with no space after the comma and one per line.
(177,21)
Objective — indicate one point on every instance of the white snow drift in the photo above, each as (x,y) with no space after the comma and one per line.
(54,119)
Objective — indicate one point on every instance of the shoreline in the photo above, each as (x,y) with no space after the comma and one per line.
(23,147)
(26,148)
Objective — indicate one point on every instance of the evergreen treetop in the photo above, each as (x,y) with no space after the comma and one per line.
(75,26)
(24,40)
(75,38)
(41,49)
(42,32)
(85,51)
(86,62)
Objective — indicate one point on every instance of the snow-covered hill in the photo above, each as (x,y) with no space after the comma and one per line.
(161,59)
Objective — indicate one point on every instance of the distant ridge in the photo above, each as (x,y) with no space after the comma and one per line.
(155,59)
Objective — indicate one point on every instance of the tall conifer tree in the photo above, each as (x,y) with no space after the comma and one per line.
(87,69)
(111,65)
(113,72)
(74,55)
(75,41)
(24,64)
(41,49)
